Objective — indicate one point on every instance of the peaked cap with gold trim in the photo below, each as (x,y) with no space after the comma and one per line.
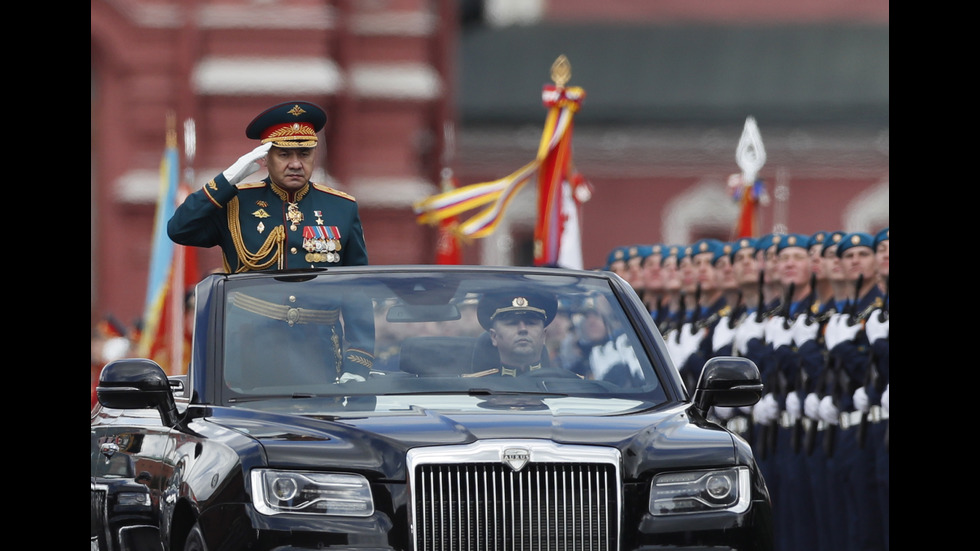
(519,302)
(289,125)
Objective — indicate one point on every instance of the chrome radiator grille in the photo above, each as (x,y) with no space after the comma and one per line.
(490,506)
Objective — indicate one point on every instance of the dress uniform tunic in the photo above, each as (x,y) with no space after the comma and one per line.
(260,226)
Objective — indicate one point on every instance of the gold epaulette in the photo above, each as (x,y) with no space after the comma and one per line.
(250,185)
(328,189)
(725,310)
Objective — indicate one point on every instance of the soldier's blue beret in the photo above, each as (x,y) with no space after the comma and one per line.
(855,239)
(725,250)
(832,240)
(618,253)
(686,251)
(766,241)
(880,236)
(793,240)
(742,243)
(638,251)
(671,251)
(289,124)
(707,245)
(818,238)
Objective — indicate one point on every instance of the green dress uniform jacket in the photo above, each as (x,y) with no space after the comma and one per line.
(260,226)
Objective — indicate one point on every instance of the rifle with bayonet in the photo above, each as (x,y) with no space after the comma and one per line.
(675,321)
(796,436)
(843,380)
(738,311)
(780,384)
(692,378)
(760,436)
(696,312)
(823,380)
(872,378)
(760,311)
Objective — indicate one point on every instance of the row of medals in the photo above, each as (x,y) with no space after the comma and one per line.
(332,245)
(329,256)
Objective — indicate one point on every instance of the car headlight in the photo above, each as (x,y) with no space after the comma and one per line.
(130,499)
(700,491)
(276,492)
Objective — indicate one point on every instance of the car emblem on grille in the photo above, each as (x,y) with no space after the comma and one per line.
(516,458)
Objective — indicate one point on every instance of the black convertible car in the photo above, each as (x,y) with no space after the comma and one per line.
(372,408)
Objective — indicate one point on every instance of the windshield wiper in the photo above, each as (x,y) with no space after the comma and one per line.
(479,392)
(270,397)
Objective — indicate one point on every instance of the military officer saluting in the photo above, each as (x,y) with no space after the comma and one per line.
(284,221)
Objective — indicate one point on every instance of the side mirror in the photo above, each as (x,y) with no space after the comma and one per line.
(728,381)
(136,383)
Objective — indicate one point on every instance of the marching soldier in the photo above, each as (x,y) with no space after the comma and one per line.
(694,338)
(745,270)
(850,464)
(787,329)
(876,329)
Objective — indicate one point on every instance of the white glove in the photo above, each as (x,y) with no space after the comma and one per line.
(348,376)
(723,413)
(746,410)
(884,399)
(804,332)
(723,335)
(829,412)
(839,330)
(776,334)
(811,406)
(793,406)
(747,330)
(876,329)
(246,164)
(861,400)
(766,410)
(687,345)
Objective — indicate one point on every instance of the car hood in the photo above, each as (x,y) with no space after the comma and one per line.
(659,438)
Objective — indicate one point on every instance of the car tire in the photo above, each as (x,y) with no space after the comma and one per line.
(195,540)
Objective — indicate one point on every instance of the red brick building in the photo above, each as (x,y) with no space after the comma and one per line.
(669,85)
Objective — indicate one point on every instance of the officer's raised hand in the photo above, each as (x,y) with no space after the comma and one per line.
(246,164)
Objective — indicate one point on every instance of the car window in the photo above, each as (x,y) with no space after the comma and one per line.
(290,337)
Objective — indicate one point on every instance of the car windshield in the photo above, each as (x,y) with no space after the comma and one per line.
(392,341)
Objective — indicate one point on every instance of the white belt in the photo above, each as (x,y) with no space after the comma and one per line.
(877,414)
(850,418)
(786,420)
